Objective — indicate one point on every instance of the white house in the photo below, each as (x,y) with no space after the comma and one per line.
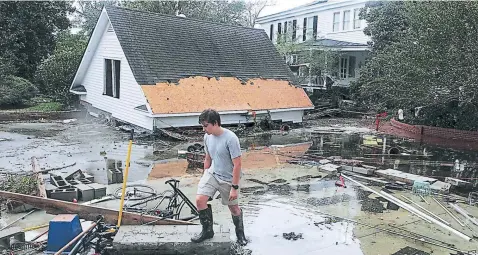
(158,71)
(323,24)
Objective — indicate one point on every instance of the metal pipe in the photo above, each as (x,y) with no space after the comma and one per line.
(446,210)
(40,235)
(424,199)
(419,206)
(447,246)
(464,213)
(76,239)
(15,221)
(411,208)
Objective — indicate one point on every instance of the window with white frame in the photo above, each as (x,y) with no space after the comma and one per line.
(310,27)
(111,86)
(347,67)
(336,23)
(346,21)
(357,20)
(344,67)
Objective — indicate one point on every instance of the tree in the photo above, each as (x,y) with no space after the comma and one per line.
(430,66)
(254,9)
(28,28)
(88,12)
(56,73)
(228,12)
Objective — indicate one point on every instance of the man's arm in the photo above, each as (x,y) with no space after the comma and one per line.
(236,171)
(207,161)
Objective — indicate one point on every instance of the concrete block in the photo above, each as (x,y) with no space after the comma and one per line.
(75,175)
(85,192)
(100,190)
(111,176)
(170,239)
(85,181)
(119,176)
(6,235)
(73,182)
(49,188)
(58,181)
(89,177)
(67,194)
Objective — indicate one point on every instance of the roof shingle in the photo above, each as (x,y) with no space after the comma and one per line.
(163,48)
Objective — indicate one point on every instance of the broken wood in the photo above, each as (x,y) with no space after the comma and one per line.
(39,176)
(88,212)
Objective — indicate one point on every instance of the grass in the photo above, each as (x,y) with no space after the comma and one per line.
(45,107)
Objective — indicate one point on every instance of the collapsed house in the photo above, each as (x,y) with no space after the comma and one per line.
(158,71)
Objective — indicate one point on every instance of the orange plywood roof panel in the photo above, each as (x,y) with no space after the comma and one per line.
(194,94)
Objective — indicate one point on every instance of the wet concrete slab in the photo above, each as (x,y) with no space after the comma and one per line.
(170,240)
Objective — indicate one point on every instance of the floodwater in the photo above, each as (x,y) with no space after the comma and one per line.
(282,210)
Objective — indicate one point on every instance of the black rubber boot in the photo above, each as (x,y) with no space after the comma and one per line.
(205,217)
(239,223)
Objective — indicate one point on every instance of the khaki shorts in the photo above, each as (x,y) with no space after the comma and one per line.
(209,185)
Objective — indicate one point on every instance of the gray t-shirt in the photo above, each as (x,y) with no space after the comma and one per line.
(222,150)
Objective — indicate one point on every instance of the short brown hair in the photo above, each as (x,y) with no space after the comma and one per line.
(210,116)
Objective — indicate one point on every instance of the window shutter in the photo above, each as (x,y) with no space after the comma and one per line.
(272,31)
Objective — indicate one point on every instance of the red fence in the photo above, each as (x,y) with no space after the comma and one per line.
(446,133)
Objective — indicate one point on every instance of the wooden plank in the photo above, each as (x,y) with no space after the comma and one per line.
(89,212)
(39,175)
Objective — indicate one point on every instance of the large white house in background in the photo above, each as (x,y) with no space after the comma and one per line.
(333,25)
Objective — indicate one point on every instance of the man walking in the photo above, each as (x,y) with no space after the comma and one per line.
(222,172)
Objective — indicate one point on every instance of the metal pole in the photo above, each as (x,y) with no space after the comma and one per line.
(419,206)
(125,178)
(446,210)
(412,209)
(396,233)
(17,220)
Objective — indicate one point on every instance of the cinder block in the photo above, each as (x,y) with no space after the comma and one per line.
(78,174)
(100,190)
(85,192)
(65,194)
(58,181)
(85,181)
(89,177)
(73,182)
(111,176)
(49,188)
(119,176)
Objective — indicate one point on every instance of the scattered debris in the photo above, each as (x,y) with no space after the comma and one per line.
(258,181)
(306,178)
(372,205)
(292,236)
(410,251)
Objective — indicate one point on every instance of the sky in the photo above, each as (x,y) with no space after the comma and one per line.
(282,5)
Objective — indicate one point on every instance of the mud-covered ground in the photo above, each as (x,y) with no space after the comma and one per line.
(282,202)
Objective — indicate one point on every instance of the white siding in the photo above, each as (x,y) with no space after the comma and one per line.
(131,94)
(325,23)
(235,118)
(286,116)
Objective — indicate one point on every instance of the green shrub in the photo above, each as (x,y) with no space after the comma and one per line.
(15,90)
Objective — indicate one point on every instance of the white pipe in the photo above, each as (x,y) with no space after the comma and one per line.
(419,206)
(403,205)
(424,199)
(464,213)
(451,214)
(408,207)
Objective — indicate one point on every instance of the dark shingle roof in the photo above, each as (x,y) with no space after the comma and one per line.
(162,48)
(334,43)
(79,88)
